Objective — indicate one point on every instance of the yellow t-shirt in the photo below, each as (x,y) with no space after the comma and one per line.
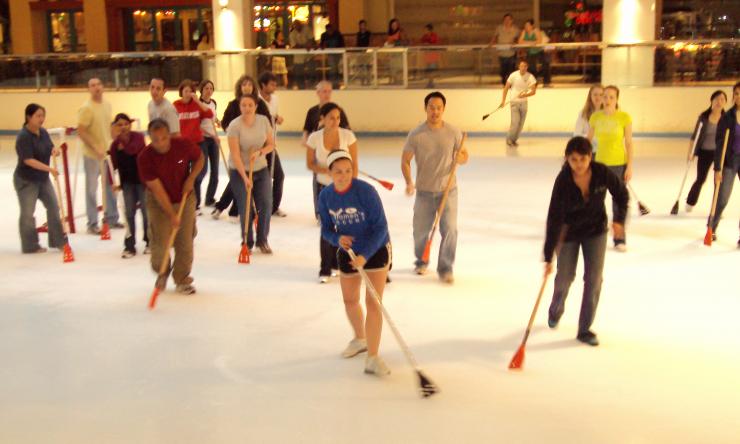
(609,135)
(96,117)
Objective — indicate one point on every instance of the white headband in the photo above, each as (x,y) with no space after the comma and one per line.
(336,155)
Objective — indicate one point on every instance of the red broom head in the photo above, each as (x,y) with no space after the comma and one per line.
(708,237)
(153,299)
(427,252)
(244,255)
(518,360)
(105,232)
(387,185)
(68,256)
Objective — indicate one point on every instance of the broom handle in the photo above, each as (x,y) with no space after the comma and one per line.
(103,177)
(534,310)
(721,167)
(689,158)
(248,208)
(171,241)
(59,196)
(442,203)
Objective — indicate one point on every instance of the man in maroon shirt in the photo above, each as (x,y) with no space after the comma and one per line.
(165,168)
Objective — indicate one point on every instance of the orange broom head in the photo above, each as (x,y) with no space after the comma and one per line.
(518,360)
(708,237)
(105,232)
(427,252)
(153,299)
(68,256)
(244,255)
(387,185)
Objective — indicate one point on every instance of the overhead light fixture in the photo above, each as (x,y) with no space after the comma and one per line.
(223,4)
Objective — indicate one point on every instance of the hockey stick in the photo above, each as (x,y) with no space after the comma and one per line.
(518,360)
(674,210)
(68,256)
(426,386)
(244,252)
(105,230)
(708,236)
(494,111)
(162,276)
(387,185)
(641,206)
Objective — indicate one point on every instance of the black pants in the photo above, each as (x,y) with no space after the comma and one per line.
(212,152)
(703,164)
(508,65)
(277,180)
(544,68)
(327,250)
(227,198)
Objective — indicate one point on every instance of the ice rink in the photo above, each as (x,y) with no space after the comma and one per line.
(253,357)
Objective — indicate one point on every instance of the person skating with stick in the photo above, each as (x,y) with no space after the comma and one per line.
(250,140)
(725,172)
(31,181)
(522,85)
(435,145)
(123,153)
(169,167)
(267,88)
(352,217)
(612,129)
(318,146)
(576,220)
(210,140)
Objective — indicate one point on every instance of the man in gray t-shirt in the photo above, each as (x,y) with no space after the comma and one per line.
(436,145)
(506,34)
(161,108)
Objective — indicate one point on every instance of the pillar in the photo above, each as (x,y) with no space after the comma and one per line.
(21,28)
(628,21)
(96,25)
(232,31)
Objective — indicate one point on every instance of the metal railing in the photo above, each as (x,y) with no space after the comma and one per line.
(463,66)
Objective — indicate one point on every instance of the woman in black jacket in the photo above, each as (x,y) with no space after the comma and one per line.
(726,176)
(705,143)
(577,220)
(245,86)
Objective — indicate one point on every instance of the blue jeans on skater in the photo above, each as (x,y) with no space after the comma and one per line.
(28,193)
(133,196)
(594,249)
(92,179)
(262,197)
(425,210)
(729,172)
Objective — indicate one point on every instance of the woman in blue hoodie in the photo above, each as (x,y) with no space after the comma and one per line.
(352,217)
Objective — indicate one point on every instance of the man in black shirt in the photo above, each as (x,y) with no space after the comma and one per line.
(332,38)
(363,35)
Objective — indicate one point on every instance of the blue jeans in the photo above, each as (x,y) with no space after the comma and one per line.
(28,192)
(92,178)
(518,116)
(594,249)
(425,209)
(729,172)
(262,196)
(133,195)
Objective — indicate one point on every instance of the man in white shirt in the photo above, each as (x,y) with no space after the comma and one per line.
(268,85)
(161,108)
(522,85)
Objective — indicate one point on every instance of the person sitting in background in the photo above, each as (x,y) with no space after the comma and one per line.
(431,58)
(363,35)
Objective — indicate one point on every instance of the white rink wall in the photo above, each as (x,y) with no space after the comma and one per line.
(655,111)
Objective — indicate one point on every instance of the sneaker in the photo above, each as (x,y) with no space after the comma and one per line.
(117,225)
(334,273)
(147,250)
(588,338)
(447,277)
(264,248)
(198,211)
(552,323)
(216,214)
(38,250)
(323,279)
(420,270)
(620,245)
(689,208)
(355,347)
(279,213)
(93,230)
(516,144)
(374,365)
(128,254)
(509,143)
(185,288)
(714,237)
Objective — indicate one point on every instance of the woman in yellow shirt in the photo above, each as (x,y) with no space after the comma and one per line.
(612,130)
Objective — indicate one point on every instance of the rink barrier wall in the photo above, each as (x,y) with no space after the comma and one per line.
(655,111)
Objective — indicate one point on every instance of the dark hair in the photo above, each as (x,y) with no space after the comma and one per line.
(530,21)
(267,77)
(254,99)
(390,26)
(238,87)
(157,124)
(429,27)
(31,109)
(522,60)
(122,116)
(737,86)
(432,95)
(708,111)
(580,145)
(337,160)
(164,84)
(187,83)
(328,107)
(203,84)
(362,21)
(508,14)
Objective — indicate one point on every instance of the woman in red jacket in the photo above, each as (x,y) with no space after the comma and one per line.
(191,112)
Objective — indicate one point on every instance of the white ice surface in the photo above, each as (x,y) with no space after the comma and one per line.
(254,355)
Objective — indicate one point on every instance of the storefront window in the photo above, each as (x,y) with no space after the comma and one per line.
(270,16)
(172,29)
(694,19)
(66,31)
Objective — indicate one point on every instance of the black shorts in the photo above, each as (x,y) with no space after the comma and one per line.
(380,260)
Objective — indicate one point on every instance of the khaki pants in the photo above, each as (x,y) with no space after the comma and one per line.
(160,229)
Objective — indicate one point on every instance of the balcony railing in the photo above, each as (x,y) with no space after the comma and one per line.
(469,66)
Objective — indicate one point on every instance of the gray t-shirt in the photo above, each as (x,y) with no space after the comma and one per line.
(506,36)
(165,110)
(251,138)
(710,132)
(434,150)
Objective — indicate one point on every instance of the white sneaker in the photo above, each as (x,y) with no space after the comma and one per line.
(689,208)
(420,270)
(323,279)
(127,254)
(355,347)
(374,365)
(622,247)
(185,288)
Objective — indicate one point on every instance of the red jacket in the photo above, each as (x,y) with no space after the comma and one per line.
(190,115)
